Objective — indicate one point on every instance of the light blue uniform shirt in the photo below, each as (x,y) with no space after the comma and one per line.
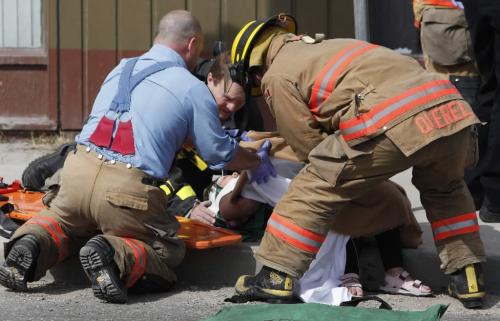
(166,108)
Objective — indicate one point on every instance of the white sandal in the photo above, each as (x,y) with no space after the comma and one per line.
(402,284)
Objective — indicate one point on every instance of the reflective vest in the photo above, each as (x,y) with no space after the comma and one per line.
(114,130)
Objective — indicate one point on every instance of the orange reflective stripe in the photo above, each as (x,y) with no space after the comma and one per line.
(457,225)
(394,107)
(139,267)
(293,234)
(54,229)
(443,3)
(327,79)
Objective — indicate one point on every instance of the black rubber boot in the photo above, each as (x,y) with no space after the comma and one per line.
(489,216)
(40,169)
(97,261)
(150,283)
(488,213)
(467,285)
(18,268)
(268,285)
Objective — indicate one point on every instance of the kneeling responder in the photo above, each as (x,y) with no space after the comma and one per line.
(146,108)
(367,113)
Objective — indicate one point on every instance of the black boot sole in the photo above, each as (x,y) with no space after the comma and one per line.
(13,272)
(105,283)
(468,303)
(472,303)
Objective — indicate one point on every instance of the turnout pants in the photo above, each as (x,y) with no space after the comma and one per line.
(302,218)
(99,196)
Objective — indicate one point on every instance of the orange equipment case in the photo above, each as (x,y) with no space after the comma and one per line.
(196,234)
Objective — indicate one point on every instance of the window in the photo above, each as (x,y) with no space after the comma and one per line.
(20,23)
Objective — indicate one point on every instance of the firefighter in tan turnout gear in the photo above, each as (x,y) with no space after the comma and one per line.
(446,43)
(365,113)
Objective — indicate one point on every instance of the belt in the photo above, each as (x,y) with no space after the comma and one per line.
(152,181)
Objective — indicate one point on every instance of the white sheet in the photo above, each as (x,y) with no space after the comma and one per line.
(321,284)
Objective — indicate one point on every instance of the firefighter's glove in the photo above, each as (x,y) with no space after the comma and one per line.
(265,169)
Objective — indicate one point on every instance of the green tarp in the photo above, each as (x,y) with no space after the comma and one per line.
(321,312)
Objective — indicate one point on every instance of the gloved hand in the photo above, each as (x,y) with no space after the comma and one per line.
(265,169)
(234,133)
(244,137)
(240,135)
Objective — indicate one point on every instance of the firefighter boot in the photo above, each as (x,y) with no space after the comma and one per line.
(467,285)
(97,261)
(20,263)
(268,285)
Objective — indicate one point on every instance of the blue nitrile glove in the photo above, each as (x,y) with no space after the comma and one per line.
(244,137)
(234,133)
(265,169)
(238,134)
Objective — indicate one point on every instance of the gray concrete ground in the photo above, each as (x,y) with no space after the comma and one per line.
(206,276)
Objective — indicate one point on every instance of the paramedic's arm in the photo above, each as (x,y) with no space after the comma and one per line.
(294,121)
(216,147)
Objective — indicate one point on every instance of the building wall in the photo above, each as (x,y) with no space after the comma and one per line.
(84,39)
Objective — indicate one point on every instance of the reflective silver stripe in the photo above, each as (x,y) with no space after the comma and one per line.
(454,226)
(294,234)
(326,77)
(389,109)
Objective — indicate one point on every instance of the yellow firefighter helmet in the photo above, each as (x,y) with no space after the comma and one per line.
(256,34)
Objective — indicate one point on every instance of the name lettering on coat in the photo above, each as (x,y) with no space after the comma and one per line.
(442,116)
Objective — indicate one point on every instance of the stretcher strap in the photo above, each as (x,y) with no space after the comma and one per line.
(392,108)
(328,77)
(60,239)
(457,225)
(139,267)
(294,234)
